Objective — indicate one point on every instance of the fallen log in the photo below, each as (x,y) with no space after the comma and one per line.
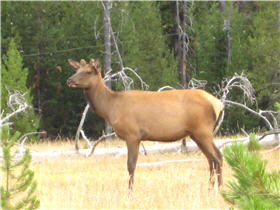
(268,141)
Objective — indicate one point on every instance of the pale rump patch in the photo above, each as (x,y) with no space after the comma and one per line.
(216,103)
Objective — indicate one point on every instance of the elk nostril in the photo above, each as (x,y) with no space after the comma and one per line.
(69,81)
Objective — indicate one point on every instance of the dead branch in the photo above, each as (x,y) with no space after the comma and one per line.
(101,138)
(77,137)
(22,149)
(3,120)
(259,114)
(30,133)
(241,82)
(195,83)
(270,114)
(244,132)
(16,99)
(276,132)
(17,103)
(244,140)
(165,88)
(87,140)
(219,122)
(23,139)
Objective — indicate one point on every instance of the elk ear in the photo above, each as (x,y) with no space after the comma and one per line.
(91,62)
(95,64)
(76,65)
(83,62)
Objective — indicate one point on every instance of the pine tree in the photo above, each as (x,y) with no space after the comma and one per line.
(51,33)
(209,58)
(253,187)
(14,77)
(17,191)
(143,44)
(265,55)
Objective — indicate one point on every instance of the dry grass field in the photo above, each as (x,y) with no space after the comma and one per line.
(101,182)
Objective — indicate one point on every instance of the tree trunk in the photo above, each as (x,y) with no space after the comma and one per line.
(184,46)
(38,71)
(181,48)
(107,46)
(227,31)
(38,77)
(179,34)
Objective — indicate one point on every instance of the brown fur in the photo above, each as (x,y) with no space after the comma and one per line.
(156,116)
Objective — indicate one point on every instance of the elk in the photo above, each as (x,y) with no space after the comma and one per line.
(165,116)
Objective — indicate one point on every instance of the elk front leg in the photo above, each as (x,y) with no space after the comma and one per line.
(132,155)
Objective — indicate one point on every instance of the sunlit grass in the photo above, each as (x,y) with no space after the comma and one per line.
(101,182)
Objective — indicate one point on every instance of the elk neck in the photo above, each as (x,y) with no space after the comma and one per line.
(101,99)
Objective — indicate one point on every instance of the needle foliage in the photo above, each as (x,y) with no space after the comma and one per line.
(253,186)
(18,185)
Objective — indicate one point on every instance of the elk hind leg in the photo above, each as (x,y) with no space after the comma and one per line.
(213,155)
(219,169)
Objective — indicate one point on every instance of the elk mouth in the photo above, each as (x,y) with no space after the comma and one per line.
(73,85)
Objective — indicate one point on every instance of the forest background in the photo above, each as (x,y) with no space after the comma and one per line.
(222,38)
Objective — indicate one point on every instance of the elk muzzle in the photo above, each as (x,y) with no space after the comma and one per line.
(71,83)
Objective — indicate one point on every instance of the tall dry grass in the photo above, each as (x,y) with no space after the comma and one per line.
(101,182)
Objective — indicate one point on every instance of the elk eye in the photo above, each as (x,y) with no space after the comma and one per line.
(88,72)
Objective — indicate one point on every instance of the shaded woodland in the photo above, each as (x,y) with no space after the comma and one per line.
(166,43)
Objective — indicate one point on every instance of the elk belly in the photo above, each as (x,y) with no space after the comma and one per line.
(163,128)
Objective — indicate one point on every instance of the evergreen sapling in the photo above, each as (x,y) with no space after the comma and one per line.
(18,185)
(253,187)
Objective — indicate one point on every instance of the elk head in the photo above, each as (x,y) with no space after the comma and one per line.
(86,73)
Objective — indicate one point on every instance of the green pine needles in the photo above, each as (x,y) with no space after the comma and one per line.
(253,144)
(14,77)
(253,187)
(18,185)
(277,106)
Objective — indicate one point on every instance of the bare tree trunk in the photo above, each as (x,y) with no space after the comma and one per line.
(181,48)
(223,6)
(227,31)
(184,51)
(107,46)
(38,71)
